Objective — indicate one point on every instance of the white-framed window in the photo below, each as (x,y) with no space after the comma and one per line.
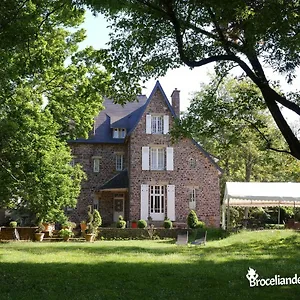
(157,158)
(119,133)
(119,161)
(157,199)
(96,164)
(192,199)
(157,124)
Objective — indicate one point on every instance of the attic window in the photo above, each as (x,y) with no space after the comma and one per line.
(119,133)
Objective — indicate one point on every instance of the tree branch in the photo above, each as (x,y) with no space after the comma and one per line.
(268,142)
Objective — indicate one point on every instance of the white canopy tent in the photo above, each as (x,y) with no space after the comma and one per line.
(259,194)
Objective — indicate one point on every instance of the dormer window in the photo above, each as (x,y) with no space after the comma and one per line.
(119,133)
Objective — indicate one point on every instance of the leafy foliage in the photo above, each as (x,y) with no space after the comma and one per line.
(192,219)
(142,224)
(121,223)
(49,93)
(151,36)
(168,223)
(229,119)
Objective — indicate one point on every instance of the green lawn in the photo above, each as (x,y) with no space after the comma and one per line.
(150,269)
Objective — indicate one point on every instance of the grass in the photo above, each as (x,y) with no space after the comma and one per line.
(150,269)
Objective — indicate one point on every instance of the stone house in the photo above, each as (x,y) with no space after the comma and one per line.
(134,170)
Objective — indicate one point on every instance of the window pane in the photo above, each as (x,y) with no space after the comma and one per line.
(119,162)
(116,133)
(96,164)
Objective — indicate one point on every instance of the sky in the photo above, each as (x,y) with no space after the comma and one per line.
(184,79)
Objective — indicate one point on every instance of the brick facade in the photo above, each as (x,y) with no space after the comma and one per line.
(193,169)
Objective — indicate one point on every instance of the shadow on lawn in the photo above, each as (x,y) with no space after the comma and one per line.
(109,280)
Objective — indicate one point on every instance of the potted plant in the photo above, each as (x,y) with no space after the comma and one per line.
(13,224)
(142,224)
(134,224)
(168,223)
(39,235)
(68,225)
(83,226)
(121,223)
(93,222)
(66,234)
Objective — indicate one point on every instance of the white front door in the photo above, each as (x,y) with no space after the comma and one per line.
(119,200)
(157,202)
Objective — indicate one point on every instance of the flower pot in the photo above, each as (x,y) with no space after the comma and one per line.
(83,226)
(134,225)
(48,227)
(89,237)
(66,238)
(39,236)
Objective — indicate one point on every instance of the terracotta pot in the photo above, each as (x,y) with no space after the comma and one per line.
(83,226)
(134,225)
(89,237)
(39,236)
(48,227)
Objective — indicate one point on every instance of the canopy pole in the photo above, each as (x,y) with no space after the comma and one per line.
(223,216)
(279,214)
(228,215)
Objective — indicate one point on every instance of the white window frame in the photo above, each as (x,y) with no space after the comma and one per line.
(157,201)
(192,199)
(119,161)
(96,164)
(157,158)
(157,124)
(119,133)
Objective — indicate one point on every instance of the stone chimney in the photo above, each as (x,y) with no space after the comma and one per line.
(176,102)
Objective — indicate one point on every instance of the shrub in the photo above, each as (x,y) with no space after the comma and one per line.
(192,219)
(274,226)
(94,220)
(142,224)
(200,224)
(168,223)
(121,223)
(13,224)
(66,233)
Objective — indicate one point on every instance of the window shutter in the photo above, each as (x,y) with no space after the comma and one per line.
(145,158)
(166,124)
(148,124)
(170,160)
(144,201)
(171,202)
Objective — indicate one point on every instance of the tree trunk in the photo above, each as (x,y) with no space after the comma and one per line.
(270,98)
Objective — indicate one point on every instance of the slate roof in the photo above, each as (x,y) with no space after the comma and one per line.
(119,181)
(115,116)
(128,116)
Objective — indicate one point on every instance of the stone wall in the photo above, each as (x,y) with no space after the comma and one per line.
(83,154)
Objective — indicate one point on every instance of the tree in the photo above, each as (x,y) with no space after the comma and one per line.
(228,118)
(151,36)
(49,93)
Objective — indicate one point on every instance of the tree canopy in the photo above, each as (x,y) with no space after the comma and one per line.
(229,118)
(49,93)
(151,36)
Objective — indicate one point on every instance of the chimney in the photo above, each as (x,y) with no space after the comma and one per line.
(176,102)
